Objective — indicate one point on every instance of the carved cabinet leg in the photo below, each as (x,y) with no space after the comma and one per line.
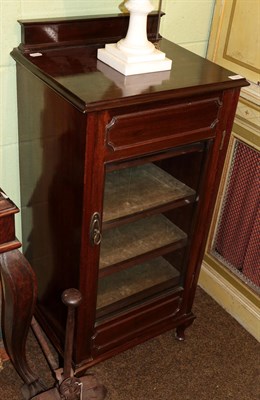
(180,330)
(180,333)
(19,296)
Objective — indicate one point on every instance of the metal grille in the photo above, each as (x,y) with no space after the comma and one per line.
(237,239)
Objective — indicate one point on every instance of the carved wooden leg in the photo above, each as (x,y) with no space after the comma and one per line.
(19,296)
(180,333)
(180,330)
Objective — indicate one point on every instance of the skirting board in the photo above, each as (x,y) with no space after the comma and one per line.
(234,302)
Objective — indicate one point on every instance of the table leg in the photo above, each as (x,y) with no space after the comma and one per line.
(19,297)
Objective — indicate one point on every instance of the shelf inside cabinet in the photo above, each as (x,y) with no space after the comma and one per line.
(136,283)
(133,190)
(139,239)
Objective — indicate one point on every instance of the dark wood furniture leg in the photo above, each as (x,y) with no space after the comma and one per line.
(180,330)
(18,297)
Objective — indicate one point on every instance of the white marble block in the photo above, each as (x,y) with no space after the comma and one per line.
(135,54)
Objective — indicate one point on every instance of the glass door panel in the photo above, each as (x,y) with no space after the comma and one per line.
(148,220)
(138,238)
(135,284)
(128,191)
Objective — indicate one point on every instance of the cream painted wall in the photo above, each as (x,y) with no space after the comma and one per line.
(186,22)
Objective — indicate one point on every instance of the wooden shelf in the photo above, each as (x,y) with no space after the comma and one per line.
(145,279)
(132,190)
(144,236)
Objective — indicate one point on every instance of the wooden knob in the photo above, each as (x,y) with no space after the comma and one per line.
(71,297)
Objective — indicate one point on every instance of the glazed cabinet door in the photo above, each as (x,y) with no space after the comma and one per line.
(149,216)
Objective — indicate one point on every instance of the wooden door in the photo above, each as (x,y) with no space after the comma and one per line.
(235,40)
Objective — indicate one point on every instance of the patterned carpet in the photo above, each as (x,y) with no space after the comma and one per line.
(218,360)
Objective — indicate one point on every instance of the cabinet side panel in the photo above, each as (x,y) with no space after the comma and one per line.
(52,153)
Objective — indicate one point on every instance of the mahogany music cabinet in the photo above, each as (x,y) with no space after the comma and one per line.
(118,180)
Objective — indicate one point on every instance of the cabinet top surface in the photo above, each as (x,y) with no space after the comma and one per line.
(77,74)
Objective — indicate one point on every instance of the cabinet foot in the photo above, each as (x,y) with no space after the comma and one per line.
(180,330)
(180,334)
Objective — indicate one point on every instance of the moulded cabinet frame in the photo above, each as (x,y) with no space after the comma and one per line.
(93,203)
(209,192)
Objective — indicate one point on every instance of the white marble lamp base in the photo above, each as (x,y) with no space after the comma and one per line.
(131,64)
(135,54)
